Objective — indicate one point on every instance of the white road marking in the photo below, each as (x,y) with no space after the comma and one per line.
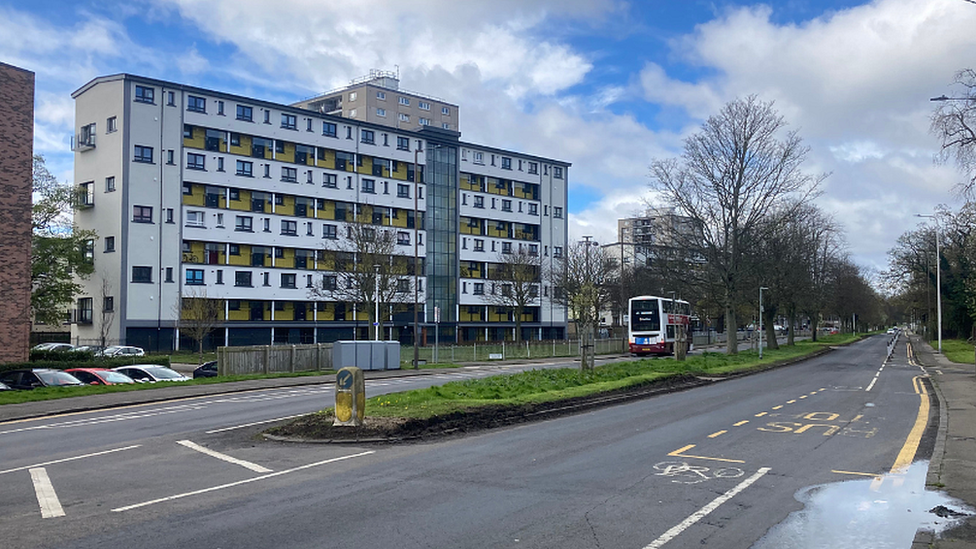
(704,511)
(873,381)
(238,483)
(229,459)
(70,459)
(46,497)
(253,423)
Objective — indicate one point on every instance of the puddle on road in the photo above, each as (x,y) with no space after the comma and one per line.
(863,514)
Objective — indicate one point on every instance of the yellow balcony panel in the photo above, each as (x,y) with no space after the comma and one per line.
(196,196)
(198,139)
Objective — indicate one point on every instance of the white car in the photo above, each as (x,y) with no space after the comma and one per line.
(121,351)
(151,373)
(53,347)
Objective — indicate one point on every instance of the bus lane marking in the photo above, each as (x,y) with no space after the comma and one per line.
(74,458)
(680,452)
(830,422)
(47,498)
(224,457)
(681,472)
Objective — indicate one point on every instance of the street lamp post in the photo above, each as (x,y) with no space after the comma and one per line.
(416,260)
(761,288)
(938,276)
(376,303)
(623,294)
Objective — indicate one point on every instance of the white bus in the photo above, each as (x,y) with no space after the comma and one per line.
(653,321)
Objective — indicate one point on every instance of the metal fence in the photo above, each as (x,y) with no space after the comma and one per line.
(483,352)
(274,359)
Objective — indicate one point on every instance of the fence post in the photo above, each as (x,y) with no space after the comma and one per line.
(291,360)
(318,357)
(474,358)
(528,353)
(503,349)
(267,359)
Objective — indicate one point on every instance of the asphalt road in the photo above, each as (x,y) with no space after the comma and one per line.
(715,465)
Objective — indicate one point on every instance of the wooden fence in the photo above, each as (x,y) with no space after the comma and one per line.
(274,359)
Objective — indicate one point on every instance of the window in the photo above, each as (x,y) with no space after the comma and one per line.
(424,121)
(380,112)
(506,163)
(506,205)
(196,104)
(328,129)
(142,274)
(329,231)
(367,136)
(289,121)
(403,191)
(235,194)
(479,245)
(145,95)
(266,279)
(244,224)
(308,124)
(245,113)
(220,164)
(369,186)
(329,282)
(195,161)
(142,214)
(194,277)
(506,247)
(479,202)
(245,168)
(187,131)
(479,158)
(445,125)
(235,249)
(403,143)
(220,108)
(352,96)
(109,243)
(195,219)
(381,95)
(403,101)
(169,215)
(289,228)
(446,111)
(557,251)
(557,212)
(308,229)
(403,238)
(143,154)
(352,113)
(267,225)
(479,288)
(171,99)
(242,278)
(188,189)
(533,209)
(289,175)
(287,280)
(423,105)
(329,180)
(403,117)
(267,170)
(533,249)
(533,167)
(111,125)
(220,277)
(403,285)
(109,184)
(108,303)
(557,172)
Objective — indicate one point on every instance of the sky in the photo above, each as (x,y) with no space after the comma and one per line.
(607,85)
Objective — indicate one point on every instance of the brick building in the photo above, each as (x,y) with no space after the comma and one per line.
(16,151)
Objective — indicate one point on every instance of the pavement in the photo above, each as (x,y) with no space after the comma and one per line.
(952,468)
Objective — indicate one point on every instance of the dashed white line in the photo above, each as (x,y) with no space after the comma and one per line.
(238,483)
(46,497)
(70,459)
(704,511)
(253,423)
(229,459)
(870,385)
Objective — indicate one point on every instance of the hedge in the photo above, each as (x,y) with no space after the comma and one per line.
(90,363)
(62,356)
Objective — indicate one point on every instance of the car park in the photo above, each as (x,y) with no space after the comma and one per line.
(116,351)
(151,373)
(100,376)
(207,369)
(35,378)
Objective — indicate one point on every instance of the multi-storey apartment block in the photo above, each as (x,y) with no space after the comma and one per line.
(196,193)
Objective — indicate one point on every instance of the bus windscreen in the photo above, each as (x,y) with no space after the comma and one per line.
(645,316)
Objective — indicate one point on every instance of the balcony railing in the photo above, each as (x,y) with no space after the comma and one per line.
(83,142)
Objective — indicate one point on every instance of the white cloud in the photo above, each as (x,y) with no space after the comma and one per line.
(191,62)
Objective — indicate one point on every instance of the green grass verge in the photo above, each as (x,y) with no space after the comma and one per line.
(957,350)
(536,386)
(51,393)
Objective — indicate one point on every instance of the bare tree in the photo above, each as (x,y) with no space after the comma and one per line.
(365,268)
(730,176)
(585,281)
(515,283)
(954,123)
(108,315)
(199,316)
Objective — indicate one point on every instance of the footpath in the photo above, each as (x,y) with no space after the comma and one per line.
(952,468)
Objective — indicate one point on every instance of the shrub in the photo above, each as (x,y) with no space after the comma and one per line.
(62,356)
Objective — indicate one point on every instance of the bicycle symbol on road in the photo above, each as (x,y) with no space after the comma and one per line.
(683,473)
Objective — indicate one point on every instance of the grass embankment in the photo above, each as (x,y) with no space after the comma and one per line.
(51,393)
(957,350)
(537,386)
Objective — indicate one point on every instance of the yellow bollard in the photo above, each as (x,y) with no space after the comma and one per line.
(350,397)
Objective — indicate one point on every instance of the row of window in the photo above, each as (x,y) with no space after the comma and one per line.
(528,166)
(245,223)
(405,101)
(506,204)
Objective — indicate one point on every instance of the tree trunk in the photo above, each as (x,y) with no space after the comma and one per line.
(732,339)
(770,327)
(790,330)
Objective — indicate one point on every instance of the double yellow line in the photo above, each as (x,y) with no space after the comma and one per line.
(907,453)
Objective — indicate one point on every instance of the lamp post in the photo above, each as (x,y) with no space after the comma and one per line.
(761,288)
(938,274)
(416,260)
(623,295)
(376,303)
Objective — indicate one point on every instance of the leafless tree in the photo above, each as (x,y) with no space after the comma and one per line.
(515,278)
(954,123)
(199,316)
(731,175)
(365,267)
(585,280)
(108,315)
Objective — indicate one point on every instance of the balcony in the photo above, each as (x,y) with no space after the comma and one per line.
(83,142)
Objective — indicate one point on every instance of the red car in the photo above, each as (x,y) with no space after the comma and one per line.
(99,376)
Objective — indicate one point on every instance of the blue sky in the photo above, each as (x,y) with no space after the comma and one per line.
(608,85)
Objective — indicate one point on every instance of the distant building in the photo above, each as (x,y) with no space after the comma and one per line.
(378,99)
(659,233)
(16,161)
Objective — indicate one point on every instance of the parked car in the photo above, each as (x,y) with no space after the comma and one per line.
(53,347)
(207,369)
(121,351)
(151,373)
(5,387)
(100,376)
(33,378)
(90,349)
